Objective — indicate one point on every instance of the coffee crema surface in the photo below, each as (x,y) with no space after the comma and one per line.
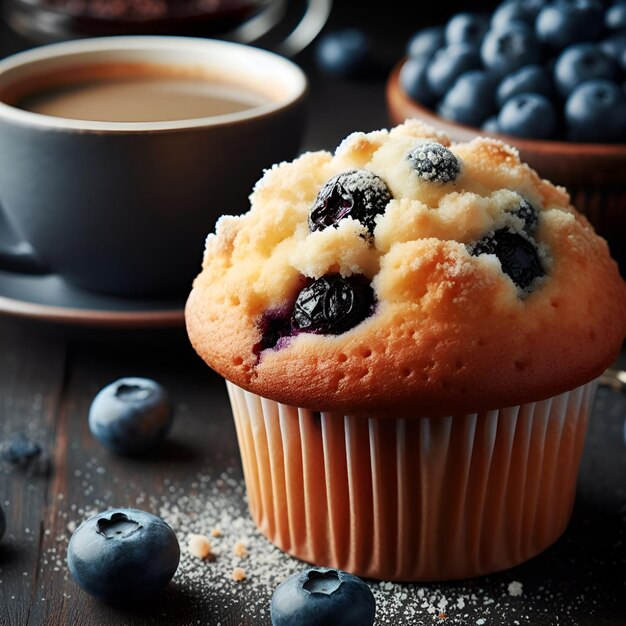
(136,94)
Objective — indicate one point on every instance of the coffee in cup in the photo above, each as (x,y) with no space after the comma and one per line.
(117,155)
(133,92)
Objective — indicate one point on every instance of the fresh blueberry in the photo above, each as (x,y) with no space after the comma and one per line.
(19,450)
(322,596)
(506,49)
(434,163)
(448,64)
(414,81)
(358,194)
(131,415)
(467,28)
(596,112)
(123,555)
(615,16)
(490,125)
(565,22)
(517,11)
(426,42)
(517,255)
(346,53)
(2,522)
(470,100)
(579,63)
(528,115)
(333,304)
(527,79)
(614,45)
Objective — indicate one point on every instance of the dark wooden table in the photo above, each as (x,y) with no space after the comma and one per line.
(48,377)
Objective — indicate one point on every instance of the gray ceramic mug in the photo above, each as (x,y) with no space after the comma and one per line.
(123,208)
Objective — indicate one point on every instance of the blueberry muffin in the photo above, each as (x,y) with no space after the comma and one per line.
(410,332)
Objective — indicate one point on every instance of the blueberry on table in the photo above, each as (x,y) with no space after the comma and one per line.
(579,63)
(565,22)
(322,596)
(615,16)
(506,49)
(2,522)
(131,415)
(517,255)
(470,100)
(332,304)
(346,53)
(517,11)
(467,28)
(448,64)
(414,81)
(596,112)
(358,194)
(19,450)
(528,115)
(527,79)
(426,42)
(434,163)
(123,555)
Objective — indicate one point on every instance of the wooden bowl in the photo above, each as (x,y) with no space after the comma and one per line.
(594,174)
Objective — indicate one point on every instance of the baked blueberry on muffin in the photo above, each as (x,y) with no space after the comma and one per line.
(410,331)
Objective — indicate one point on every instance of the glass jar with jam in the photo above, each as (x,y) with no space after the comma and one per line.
(286,26)
(50,20)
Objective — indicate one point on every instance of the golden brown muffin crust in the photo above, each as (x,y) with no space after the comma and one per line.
(451,333)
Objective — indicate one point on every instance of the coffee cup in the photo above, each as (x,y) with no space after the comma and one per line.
(118,198)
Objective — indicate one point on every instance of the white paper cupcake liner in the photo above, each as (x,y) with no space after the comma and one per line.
(412,499)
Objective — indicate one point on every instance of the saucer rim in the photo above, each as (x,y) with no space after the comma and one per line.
(164,318)
(103,317)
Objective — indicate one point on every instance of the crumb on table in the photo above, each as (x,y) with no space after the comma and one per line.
(199,546)
(241,549)
(239,574)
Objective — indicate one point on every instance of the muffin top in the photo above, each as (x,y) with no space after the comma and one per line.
(403,276)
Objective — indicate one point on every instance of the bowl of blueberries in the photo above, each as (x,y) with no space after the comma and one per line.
(546,76)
